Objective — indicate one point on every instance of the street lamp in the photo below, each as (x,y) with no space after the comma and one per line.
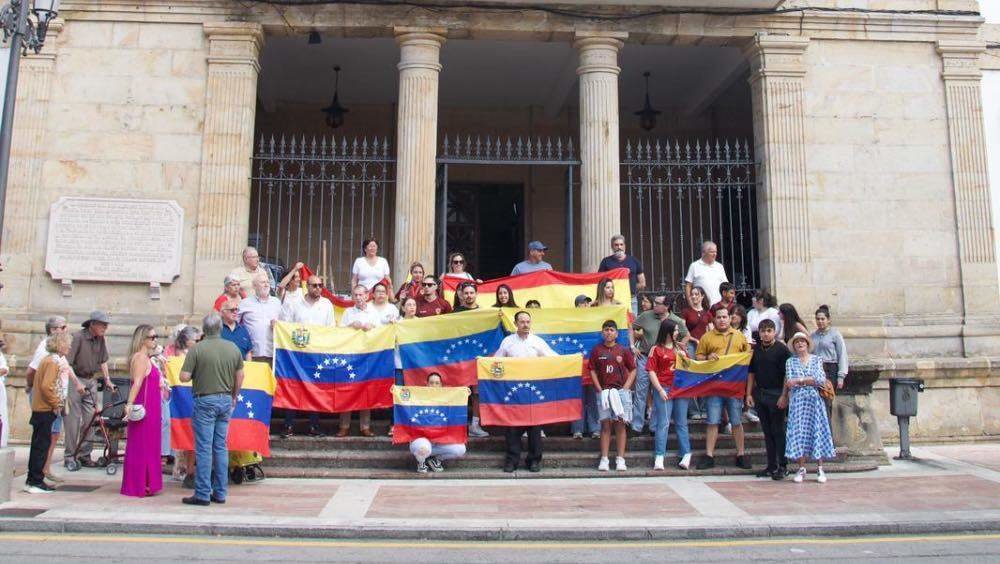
(21,33)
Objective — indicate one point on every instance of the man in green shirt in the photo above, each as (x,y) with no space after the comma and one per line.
(215,368)
(645,329)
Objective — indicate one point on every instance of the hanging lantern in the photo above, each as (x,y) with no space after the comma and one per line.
(335,112)
(647,115)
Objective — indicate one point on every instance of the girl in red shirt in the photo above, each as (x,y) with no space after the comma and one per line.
(661,377)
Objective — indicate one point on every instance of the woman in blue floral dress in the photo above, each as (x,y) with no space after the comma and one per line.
(808,431)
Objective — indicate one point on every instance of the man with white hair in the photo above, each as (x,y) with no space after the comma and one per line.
(249,270)
(706,273)
(620,259)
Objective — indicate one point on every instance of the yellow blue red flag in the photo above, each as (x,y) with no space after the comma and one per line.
(726,376)
(520,392)
(448,345)
(550,288)
(439,415)
(251,419)
(333,369)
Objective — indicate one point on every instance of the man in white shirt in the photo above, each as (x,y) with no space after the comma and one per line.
(363,318)
(524,344)
(258,313)
(707,274)
(313,309)
(251,270)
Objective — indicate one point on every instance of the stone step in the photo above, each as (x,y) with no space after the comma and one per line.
(638,468)
(401,458)
(496,443)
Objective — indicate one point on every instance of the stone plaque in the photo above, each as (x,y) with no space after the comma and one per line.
(115,239)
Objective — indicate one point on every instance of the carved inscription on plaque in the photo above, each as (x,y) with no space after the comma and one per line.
(115,239)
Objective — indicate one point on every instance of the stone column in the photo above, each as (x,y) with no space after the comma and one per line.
(227,148)
(777,73)
(600,191)
(416,147)
(27,155)
(967,139)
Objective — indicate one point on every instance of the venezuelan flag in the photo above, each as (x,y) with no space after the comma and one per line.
(447,344)
(726,377)
(573,330)
(519,392)
(552,289)
(332,369)
(251,419)
(437,414)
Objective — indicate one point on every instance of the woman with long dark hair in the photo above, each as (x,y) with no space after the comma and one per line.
(791,322)
(505,297)
(661,377)
(605,294)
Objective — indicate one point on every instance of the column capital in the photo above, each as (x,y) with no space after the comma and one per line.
(419,47)
(599,51)
(777,55)
(234,43)
(960,59)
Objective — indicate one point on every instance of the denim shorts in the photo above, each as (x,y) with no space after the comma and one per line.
(733,405)
(57,425)
(607,414)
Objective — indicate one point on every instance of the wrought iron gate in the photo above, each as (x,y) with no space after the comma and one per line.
(307,195)
(675,196)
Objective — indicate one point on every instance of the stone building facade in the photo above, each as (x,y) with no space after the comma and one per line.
(872,192)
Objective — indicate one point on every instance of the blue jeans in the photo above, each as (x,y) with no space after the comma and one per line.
(663,411)
(641,393)
(211,427)
(635,305)
(588,423)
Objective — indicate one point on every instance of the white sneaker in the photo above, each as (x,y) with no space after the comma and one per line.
(728,429)
(476,431)
(37,490)
(658,462)
(799,476)
(543,433)
(685,462)
(603,465)
(821,476)
(620,464)
(752,417)
(577,435)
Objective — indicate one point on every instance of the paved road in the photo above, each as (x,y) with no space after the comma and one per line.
(33,547)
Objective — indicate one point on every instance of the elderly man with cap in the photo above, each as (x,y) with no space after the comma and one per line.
(533,262)
(88,357)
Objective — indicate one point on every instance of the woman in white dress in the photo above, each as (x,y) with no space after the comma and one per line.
(370,269)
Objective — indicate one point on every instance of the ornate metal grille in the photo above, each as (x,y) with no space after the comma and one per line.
(327,193)
(677,195)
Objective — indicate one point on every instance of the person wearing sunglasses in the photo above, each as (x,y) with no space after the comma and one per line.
(235,333)
(313,308)
(457,266)
(432,303)
(141,473)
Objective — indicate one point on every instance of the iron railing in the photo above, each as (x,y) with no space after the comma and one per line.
(677,195)
(308,195)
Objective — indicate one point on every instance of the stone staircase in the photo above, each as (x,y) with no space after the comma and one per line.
(377,458)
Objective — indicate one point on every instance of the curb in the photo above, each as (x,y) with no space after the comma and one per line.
(735,531)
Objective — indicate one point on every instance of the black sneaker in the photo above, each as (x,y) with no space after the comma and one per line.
(316,432)
(435,464)
(535,466)
(46,487)
(217,500)
(743,462)
(765,473)
(509,466)
(286,433)
(779,474)
(422,467)
(706,462)
(188,483)
(195,501)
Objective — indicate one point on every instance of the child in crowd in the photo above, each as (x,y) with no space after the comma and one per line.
(612,368)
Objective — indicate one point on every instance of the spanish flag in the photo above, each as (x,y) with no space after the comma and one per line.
(332,369)
(251,419)
(448,345)
(550,288)
(520,392)
(575,330)
(726,377)
(437,414)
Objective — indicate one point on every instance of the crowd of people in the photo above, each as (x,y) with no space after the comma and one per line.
(788,389)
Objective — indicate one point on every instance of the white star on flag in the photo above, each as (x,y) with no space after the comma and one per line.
(239,397)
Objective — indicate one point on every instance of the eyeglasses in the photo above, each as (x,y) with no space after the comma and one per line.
(458,261)
(320,285)
(153,337)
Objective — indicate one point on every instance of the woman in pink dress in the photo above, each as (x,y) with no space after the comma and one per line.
(142,475)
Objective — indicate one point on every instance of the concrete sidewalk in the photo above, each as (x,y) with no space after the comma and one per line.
(950,488)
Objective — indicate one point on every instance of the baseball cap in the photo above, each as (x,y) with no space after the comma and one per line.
(581,299)
(537,246)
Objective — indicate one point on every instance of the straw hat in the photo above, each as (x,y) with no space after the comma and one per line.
(800,335)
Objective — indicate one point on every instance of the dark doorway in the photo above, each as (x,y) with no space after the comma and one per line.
(486,222)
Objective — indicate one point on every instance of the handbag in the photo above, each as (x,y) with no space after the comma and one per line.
(827,392)
(138,412)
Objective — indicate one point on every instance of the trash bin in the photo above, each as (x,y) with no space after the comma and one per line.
(903,396)
(903,404)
